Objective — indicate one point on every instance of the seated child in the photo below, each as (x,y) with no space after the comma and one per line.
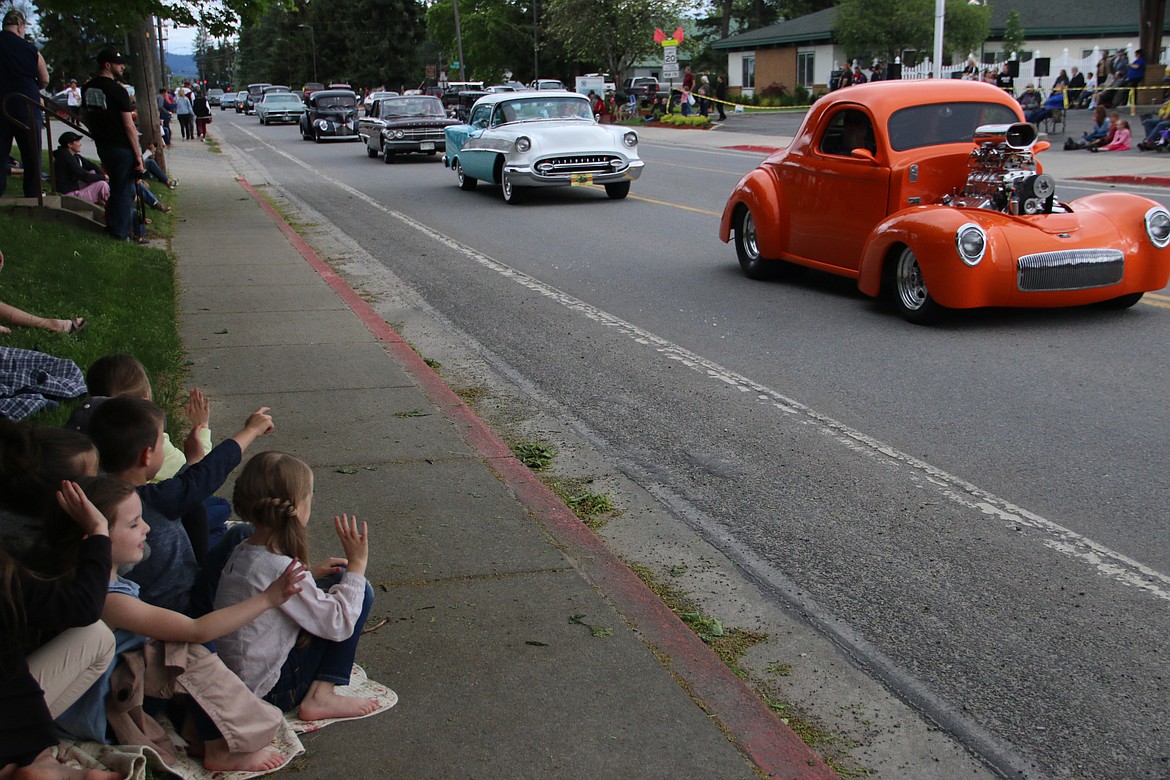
(275,493)
(129,436)
(40,685)
(233,725)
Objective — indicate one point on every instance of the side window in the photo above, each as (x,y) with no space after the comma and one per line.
(479,117)
(848,130)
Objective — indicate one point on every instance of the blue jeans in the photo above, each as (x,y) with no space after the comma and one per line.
(155,171)
(119,164)
(320,659)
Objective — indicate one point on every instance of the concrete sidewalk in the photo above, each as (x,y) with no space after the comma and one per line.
(519,646)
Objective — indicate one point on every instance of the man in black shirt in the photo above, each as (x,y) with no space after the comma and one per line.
(108,112)
(22,70)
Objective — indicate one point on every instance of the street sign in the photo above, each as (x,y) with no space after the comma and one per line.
(669,62)
(670,71)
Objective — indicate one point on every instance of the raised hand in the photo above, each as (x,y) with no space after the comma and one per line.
(78,506)
(355,541)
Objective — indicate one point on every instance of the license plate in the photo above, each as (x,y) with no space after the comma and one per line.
(427,146)
(579,179)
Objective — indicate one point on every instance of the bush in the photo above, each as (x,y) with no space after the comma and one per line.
(678,120)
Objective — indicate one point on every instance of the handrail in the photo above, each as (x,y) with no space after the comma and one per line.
(51,111)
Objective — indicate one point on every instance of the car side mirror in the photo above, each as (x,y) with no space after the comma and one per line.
(861,153)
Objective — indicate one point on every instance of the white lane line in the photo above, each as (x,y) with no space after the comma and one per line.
(1104,560)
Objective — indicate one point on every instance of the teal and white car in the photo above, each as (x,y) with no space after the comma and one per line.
(524,140)
(280,107)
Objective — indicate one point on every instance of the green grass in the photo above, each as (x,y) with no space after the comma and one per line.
(534,455)
(125,292)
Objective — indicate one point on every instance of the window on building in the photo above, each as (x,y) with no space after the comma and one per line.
(749,72)
(804,68)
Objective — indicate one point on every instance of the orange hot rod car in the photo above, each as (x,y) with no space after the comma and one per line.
(929,193)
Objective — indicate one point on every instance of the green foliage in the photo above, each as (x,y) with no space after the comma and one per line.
(1013,34)
(884,28)
(534,455)
(614,35)
(678,120)
(966,29)
(497,37)
(365,43)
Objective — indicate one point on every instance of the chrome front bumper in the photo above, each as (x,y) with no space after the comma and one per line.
(529,176)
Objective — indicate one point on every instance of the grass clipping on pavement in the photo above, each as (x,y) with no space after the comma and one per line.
(125,292)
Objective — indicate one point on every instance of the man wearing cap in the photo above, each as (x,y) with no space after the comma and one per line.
(108,112)
(22,70)
(74,175)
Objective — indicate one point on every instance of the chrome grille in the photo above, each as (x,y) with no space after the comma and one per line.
(583,163)
(423,134)
(1070,269)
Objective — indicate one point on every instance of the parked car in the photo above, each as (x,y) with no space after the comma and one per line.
(546,84)
(228,100)
(408,124)
(930,194)
(213,95)
(521,140)
(330,113)
(312,87)
(280,108)
(642,86)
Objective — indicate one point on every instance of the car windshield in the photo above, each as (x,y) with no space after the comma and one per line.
(285,98)
(944,123)
(336,102)
(534,108)
(415,107)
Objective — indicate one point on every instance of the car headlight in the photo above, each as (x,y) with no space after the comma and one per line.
(322,124)
(630,139)
(971,242)
(523,143)
(1158,226)
(400,133)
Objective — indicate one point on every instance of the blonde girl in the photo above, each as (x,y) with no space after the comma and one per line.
(135,622)
(275,493)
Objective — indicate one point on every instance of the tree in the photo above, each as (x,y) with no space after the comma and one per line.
(967,27)
(1013,35)
(612,33)
(497,36)
(884,28)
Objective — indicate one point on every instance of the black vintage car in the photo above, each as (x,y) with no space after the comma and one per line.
(404,124)
(460,109)
(331,113)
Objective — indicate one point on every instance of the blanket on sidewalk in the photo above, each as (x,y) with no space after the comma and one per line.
(131,760)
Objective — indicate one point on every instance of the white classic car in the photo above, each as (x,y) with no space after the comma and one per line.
(521,140)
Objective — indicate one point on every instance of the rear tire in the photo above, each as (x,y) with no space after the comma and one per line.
(465,181)
(371,153)
(617,190)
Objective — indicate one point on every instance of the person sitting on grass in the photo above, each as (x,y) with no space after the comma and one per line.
(75,175)
(22,319)
(154,170)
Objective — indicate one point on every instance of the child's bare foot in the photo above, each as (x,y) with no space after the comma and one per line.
(217,758)
(322,703)
(45,767)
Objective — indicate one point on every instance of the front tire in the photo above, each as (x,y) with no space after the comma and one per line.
(465,181)
(387,155)
(617,190)
(512,194)
(908,291)
(747,248)
(1121,302)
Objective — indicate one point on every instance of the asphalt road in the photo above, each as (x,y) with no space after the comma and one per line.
(974,509)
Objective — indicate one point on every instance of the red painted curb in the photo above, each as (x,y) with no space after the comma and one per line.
(1156,181)
(751,148)
(752,726)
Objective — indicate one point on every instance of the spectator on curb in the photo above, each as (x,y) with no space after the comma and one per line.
(202,112)
(22,70)
(166,108)
(1054,102)
(1094,133)
(1076,86)
(22,319)
(154,170)
(74,175)
(1120,140)
(73,99)
(108,112)
(1029,99)
(185,111)
(721,95)
(1153,126)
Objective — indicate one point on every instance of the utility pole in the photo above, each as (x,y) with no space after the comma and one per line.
(459,43)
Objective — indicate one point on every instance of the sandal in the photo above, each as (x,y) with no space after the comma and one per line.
(160,206)
(76,325)
(173,183)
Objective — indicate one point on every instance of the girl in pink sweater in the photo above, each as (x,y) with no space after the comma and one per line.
(1120,142)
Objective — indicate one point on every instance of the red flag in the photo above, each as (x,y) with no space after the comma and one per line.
(659,36)
(678,35)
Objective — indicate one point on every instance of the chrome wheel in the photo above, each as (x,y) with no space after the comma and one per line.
(465,181)
(908,290)
(511,193)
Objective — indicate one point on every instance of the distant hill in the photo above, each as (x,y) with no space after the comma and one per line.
(182,66)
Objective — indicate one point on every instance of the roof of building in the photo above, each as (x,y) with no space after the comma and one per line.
(1041,19)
